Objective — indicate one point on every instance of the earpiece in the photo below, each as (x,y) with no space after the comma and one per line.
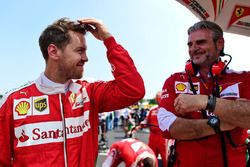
(191,68)
(216,69)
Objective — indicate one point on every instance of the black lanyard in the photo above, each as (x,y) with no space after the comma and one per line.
(216,93)
(203,112)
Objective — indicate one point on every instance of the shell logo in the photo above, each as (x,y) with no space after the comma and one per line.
(181,87)
(22,108)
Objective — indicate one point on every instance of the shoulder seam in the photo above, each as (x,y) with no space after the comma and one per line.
(8,93)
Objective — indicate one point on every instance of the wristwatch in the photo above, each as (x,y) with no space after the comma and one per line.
(214,122)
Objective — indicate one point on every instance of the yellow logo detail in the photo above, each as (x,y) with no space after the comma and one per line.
(22,108)
(196,87)
(72,98)
(181,87)
(40,104)
(220,88)
(239,12)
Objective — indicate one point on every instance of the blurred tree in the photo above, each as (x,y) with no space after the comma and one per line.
(152,101)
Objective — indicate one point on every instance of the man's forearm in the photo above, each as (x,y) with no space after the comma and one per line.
(235,112)
(187,129)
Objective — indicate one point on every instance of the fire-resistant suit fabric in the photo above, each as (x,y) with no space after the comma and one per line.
(56,125)
(156,140)
(207,151)
(130,151)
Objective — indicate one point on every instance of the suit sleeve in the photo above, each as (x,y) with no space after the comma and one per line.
(166,114)
(168,95)
(127,87)
(6,133)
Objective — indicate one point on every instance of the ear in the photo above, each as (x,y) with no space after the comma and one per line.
(53,52)
(220,43)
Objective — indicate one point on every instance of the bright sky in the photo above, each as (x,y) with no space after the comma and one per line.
(154,33)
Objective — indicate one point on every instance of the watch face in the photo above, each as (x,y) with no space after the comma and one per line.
(213,120)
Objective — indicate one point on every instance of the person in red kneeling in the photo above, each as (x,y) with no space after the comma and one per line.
(156,141)
(133,152)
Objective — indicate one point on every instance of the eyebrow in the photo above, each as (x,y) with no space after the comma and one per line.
(198,41)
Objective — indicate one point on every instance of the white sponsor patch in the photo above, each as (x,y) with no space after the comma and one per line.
(85,95)
(231,91)
(40,105)
(78,103)
(24,107)
(181,87)
(184,87)
(50,132)
(80,99)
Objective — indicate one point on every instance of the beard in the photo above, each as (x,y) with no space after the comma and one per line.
(76,73)
(201,60)
(70,72)
(204,60)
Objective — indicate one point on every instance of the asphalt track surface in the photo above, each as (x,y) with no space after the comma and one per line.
(118,134)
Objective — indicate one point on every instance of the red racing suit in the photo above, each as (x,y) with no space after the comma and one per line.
(207,152)
(57,124)
(156,141)
(130,150)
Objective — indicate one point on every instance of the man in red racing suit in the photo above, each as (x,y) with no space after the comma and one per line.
(186,106)
(44,123)
(206,151)
(132,152)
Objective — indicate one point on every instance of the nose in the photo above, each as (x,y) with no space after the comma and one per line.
(84,57)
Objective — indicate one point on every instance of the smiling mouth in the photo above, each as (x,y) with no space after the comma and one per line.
(198,52)
(81,63)
(197,55)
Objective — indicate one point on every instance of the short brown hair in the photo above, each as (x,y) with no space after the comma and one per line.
(215,28)
(58,34)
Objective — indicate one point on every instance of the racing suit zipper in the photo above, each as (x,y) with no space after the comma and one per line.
(64,130)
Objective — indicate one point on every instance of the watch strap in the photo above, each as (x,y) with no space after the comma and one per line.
(211,102)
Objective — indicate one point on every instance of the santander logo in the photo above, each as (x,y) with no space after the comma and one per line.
(51,132)
(23,137)
(39,133)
